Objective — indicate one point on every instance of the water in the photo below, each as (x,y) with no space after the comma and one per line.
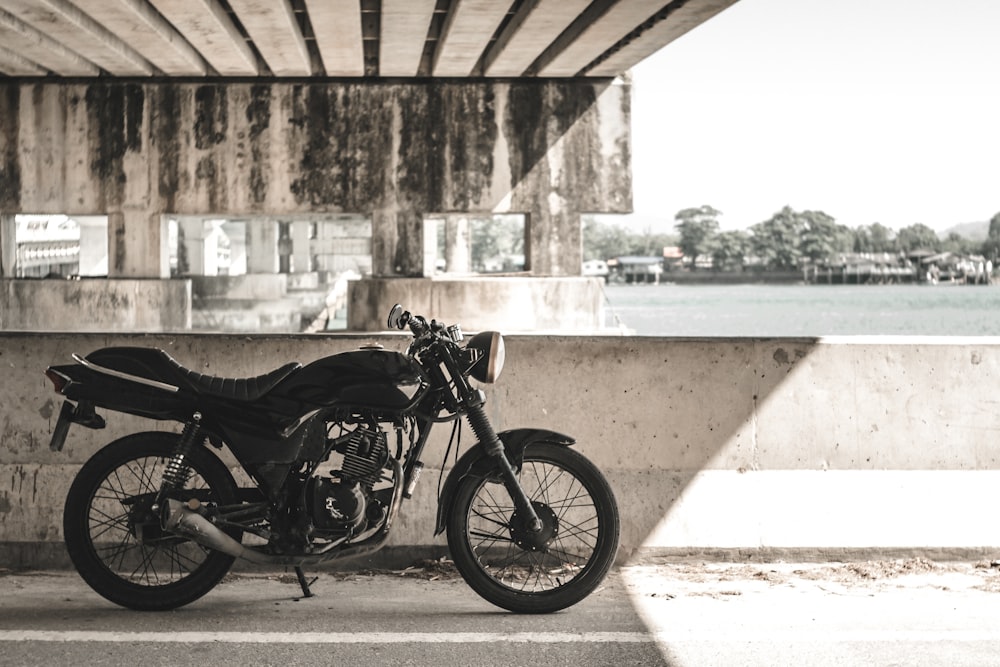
(804,310)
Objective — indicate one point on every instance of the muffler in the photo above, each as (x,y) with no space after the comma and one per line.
(178,518)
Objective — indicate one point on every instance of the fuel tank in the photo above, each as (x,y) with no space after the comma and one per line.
(368,378)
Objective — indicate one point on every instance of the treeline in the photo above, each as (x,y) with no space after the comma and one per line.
(788,240)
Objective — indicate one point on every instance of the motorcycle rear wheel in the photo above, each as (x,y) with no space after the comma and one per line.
(113,533)
(536,573)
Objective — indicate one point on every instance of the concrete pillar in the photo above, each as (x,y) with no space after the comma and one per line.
(262,245)
(431,245)
(301,246)
(93,245)
(137,245)
(201,246)
(457,244)
(8,246)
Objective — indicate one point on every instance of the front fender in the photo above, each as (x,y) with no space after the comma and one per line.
(476,462)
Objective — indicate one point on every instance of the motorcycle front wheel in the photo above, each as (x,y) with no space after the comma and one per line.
(536,572)
(113,532)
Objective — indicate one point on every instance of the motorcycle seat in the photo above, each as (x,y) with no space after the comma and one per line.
(155,364)
(238,389)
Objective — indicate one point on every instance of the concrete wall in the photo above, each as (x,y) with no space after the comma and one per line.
(391,151)
(95,305)
(731,446)
(481,303)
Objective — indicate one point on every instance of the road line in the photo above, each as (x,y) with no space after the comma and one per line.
(665,638)
(325,637)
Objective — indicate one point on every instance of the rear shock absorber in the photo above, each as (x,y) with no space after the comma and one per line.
(178,469)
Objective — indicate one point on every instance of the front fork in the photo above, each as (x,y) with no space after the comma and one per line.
(494,448)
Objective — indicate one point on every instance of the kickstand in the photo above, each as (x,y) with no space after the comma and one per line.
(303,583)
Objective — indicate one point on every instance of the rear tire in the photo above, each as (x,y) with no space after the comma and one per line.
(536,573)
(114,537)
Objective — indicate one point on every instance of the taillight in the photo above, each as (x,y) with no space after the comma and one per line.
(59,381)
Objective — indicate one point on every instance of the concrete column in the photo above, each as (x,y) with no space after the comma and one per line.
(8,246)
(262,245)
(457,244)
(93,245)
(201,246)
(301,247)
(431,245)
(137,245)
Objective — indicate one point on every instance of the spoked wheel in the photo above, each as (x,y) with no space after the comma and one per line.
(113,531)
(545,571)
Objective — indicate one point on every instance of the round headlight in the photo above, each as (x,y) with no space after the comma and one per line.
(492,355)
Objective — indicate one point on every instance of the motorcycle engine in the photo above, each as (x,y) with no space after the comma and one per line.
(344,500)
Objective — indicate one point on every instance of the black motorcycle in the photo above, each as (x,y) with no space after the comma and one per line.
(154,520)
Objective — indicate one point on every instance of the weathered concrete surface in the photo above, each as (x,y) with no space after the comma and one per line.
(391,151)
(480,303)
(95,305)
(725,445)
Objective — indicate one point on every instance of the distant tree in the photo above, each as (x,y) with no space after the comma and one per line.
(729,250)
(604,241)
(874,238)
(697,227)
(776,241)
(917,237)
(991,247)
(821,236)
(959,244)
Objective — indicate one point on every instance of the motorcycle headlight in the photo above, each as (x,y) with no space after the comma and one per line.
(489,356)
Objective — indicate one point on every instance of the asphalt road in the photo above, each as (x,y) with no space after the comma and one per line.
(887,613)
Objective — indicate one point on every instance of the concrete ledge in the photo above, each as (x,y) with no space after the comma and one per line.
(483,303)
(95,304)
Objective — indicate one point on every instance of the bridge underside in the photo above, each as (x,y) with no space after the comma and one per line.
(372,131)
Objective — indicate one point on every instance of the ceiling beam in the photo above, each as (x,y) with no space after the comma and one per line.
(138,24)
(209,29)
(275,31)
(597,30)
(536,25)
(66,24)
(23,40)
(337,26)
(467,32)
(677,19)
(403,34)
(13,64)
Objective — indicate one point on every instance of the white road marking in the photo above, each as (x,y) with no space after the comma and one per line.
(325,637)
(663,638)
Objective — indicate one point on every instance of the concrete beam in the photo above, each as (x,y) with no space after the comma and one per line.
(208,28)
(138,24)
(22,39)
(403,34)
(337,27)
(275,31)
(597,36)
(13,64)
(535,26)
(675,23)
(66,24)
(466,34)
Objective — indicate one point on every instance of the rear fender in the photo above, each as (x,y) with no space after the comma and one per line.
(477,463)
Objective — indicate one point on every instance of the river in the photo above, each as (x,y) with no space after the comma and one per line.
(804,310)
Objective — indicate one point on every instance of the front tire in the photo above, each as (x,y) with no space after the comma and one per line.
(113,532)
(536,573)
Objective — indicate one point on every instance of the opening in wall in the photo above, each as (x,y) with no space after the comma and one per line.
(60,246)
(270,273)
(475,243)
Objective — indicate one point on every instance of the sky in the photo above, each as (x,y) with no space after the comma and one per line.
(868,110)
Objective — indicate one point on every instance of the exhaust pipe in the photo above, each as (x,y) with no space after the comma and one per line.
(177,518)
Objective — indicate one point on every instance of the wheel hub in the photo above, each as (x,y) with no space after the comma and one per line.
(534,541)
